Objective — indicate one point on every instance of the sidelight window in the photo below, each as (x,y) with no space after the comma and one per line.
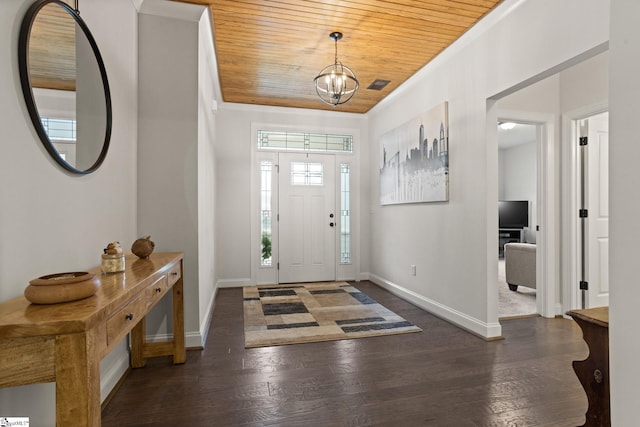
(266,168)
(345,215)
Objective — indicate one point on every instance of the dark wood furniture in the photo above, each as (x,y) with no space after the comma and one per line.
(65,342)
(593,372)
(508,235)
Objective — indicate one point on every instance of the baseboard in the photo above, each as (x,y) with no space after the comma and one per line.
(113,368)
(559,311)
(204,326)
(233,283)
(364,276)
(192,339)
(114,390)
(485,330)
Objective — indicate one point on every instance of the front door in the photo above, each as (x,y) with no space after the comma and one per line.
(598,211)
(307,222)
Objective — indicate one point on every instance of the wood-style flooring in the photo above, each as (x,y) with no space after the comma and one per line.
(441,377)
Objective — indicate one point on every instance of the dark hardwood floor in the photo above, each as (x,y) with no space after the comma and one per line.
(440,377)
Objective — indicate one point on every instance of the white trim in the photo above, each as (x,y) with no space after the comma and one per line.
(204,326)
(234,283)
(194,340)
(114,371)
(137,4)
(267,109)
(353,158)
(476,326)
(570,189)
(191,339)
(260,274)
(169,9)
(547,242)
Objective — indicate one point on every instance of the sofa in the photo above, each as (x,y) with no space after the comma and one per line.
(520,265)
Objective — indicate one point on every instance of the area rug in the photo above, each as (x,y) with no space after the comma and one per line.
(521,303)
(312,312)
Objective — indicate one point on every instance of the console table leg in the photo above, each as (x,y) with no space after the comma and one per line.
(137,344)
(77,380)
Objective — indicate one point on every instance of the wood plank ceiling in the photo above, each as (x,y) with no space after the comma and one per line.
(269,51)
(52,52)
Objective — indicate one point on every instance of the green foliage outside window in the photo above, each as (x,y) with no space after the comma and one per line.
(266,247)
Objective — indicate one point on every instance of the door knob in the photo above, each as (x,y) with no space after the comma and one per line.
(330,215)
(331,224)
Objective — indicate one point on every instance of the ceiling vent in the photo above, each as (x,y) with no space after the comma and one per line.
(378,84)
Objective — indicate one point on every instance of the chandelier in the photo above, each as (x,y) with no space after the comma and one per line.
(336,83)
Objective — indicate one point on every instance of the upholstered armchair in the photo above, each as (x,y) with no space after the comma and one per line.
(520,265)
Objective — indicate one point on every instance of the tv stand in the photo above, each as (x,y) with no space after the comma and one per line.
(509,235)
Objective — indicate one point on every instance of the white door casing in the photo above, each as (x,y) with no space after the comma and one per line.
(597,241)
(306,203)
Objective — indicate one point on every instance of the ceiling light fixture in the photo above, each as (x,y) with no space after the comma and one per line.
(336,83)
(506,125)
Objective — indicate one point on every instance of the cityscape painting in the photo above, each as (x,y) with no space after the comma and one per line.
(414,160)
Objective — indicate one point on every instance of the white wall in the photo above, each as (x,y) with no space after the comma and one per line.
(624,206)
(581,87)
(176,158)
(440,238)
(51,221)
(518,180)
(233,174)
(207,127)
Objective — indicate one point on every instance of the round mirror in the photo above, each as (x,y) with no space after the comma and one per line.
(65,85)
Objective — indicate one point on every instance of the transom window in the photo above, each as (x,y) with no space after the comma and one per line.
(303,141)
(59,129)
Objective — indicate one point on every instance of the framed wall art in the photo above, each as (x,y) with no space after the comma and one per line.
(414,159)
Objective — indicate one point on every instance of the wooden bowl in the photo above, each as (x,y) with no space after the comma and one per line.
(61,287)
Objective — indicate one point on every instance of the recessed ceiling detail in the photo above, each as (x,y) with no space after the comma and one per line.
(268,51)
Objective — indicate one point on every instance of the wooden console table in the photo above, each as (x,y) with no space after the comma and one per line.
(593,372)
(65,342)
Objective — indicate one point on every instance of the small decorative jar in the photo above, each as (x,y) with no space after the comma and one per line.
(112,263)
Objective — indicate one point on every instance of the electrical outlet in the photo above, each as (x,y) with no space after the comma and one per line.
(413,270)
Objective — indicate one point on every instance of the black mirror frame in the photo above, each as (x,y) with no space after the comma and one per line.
(25,80)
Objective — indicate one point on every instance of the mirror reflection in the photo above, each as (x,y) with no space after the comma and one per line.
(68,95)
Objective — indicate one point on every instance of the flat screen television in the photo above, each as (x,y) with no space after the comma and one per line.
(513,213)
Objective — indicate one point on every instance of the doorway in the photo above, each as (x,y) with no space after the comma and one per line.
(305,204)
(518,201)
(593,218)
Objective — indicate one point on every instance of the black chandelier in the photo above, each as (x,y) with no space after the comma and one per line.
(336,83)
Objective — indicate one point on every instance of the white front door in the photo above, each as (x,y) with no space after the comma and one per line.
(307,224)
(598,211)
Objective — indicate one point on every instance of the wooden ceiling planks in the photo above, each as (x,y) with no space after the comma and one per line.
(269,51)
(52,53)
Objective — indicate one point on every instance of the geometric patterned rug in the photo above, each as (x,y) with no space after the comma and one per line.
(312,312)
